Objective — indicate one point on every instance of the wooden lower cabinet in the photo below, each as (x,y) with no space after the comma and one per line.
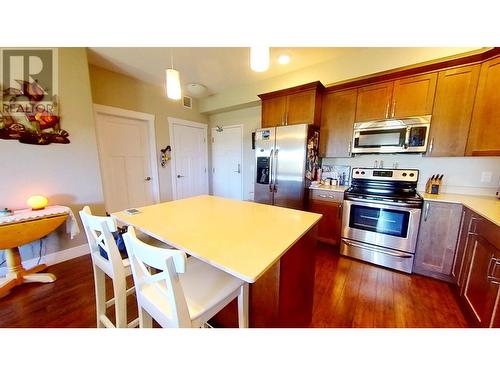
(481,292)
(330,206)
(457,272)
(437,239)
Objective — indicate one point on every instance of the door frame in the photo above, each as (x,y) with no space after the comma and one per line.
(150,120)
(193,124)
(240,126)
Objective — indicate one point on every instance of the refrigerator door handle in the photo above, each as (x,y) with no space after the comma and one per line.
(275,164)
(271,170)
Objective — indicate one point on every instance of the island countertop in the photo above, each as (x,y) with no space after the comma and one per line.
(242,238)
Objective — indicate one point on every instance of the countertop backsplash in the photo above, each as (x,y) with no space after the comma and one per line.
(462,175)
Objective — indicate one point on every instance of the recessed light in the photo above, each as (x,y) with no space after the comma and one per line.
(284,59)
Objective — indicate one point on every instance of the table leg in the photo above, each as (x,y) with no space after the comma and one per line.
(17,274)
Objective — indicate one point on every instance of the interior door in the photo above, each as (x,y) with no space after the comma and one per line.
(189,160)
(124,151)
(289,168)
(226,162)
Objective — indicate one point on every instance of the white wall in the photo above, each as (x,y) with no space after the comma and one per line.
(250,118)
(461,174)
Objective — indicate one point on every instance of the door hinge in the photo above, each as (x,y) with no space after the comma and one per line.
(213,140)
(205,170)
(213,170)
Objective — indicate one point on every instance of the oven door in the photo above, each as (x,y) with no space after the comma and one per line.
(381,224)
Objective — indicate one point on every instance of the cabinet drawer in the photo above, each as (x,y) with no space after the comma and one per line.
(329,196)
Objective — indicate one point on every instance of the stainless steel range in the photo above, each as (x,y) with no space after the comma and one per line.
(381,216)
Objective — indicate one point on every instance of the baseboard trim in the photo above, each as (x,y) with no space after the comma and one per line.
(54,258)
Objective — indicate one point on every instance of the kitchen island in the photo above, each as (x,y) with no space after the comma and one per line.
(270,247)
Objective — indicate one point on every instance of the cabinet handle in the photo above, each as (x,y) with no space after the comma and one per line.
(491,274)
(340,210)
(431,145)
(349,148)
(387,110)
(286,119)
(426,210)
(393,108)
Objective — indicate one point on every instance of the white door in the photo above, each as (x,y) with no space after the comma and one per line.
(189,158)
(227,162)
(125,153)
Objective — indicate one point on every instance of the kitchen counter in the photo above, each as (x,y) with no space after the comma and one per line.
(329,188)
(488,207)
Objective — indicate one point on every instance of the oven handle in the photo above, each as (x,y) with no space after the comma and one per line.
(377,249)
(409,205)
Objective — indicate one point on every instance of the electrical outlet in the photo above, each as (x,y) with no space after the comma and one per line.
(486,176)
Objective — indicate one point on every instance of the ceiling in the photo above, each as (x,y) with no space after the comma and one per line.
(217,68)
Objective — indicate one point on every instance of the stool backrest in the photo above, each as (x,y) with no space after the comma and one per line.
(168,299)
(98,231)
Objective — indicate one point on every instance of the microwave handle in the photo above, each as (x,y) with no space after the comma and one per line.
(407,138)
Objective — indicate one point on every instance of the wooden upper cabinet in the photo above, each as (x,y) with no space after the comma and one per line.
(338,113)
(451,115)
(273,111)
(296,105)
(484,134)
(413,96)
(374,101)
(300,108)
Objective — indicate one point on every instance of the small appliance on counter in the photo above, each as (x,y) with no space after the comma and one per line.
(5,212)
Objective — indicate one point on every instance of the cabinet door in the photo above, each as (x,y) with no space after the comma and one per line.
(413,96)
(273,111)
(330,224)
(451,115)
(463,238)
(480,291)
(437,239)
(300,108)
(374,101)
(484,134)
(337,119)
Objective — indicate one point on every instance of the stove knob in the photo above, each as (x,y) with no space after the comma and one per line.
(404,174)
(362,172)
(357,172)
(412,174)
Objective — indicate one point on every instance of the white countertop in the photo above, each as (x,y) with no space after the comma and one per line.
(488,207)
(242,238)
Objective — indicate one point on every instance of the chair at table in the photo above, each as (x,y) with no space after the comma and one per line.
(101,242)
(186,292)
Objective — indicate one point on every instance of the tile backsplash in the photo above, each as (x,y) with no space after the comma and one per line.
(462,175)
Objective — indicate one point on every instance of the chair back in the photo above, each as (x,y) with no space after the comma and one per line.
(98,231)
(165,299)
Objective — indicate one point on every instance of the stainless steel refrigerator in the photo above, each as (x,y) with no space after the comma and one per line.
(286,159)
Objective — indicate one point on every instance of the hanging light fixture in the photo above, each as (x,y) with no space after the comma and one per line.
(259,59)
(173,81)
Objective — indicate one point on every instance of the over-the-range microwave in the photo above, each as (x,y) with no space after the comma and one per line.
(408,134)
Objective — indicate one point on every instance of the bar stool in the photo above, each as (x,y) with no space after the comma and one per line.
(186,292)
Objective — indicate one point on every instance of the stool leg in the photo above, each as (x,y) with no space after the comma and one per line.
(145,320)
(120,292)
(100,295)
(243,306)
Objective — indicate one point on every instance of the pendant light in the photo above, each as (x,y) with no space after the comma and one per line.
(259,59)
(173,82)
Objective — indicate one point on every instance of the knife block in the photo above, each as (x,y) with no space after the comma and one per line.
(432,186)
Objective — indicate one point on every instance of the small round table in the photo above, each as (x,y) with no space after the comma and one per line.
(13,235)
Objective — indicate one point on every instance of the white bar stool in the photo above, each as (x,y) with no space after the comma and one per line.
(186,293)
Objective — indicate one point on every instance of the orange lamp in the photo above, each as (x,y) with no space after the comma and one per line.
(37,202)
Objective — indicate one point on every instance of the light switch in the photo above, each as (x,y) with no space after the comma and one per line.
(486,176)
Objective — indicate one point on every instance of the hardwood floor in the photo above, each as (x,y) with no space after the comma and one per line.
(351,293)
(348,293)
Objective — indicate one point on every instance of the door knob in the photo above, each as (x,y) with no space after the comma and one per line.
(179,176)
(147,179)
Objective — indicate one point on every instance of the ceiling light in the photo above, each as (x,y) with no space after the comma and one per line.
(173,82)
(284,59)
(259,59)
